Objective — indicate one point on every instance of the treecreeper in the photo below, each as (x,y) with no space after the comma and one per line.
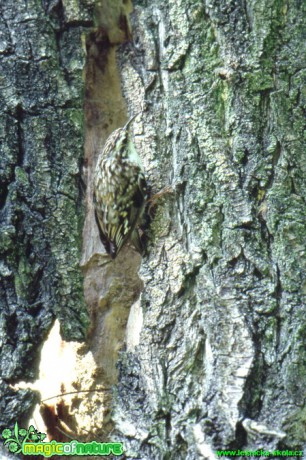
(120,192)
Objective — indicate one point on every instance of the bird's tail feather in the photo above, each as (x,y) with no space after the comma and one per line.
(136,241)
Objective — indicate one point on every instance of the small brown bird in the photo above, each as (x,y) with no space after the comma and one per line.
(120,192)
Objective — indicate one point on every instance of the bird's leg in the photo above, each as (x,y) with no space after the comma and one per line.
(148,215)
(139,236)
(152,201)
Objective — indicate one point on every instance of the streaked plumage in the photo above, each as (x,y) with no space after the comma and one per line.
(120,192)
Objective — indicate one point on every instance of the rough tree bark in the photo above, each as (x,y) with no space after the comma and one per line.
(220,360)
(214,353)
(41,211)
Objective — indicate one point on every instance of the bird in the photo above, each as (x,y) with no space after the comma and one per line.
(120,192)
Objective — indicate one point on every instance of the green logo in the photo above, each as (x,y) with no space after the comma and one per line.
(16,440)
(30,442)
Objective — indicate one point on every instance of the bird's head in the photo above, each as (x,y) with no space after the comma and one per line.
(120,142)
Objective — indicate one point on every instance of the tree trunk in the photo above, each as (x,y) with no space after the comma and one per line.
(220,359)
(42,61)
(214,324)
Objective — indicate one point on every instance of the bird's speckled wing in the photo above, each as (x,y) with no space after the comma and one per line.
(119,198)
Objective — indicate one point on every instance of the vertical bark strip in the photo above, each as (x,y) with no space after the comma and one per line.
(111,287)
(41,142)
(220,360)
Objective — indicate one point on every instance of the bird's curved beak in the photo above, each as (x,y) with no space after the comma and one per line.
(131,120)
